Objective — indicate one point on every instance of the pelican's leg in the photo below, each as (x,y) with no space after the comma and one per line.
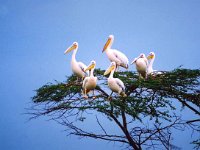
(93,95)
(116,68)
(110,98)
(83,92)
(85,95)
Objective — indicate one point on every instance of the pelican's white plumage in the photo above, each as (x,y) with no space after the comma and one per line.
(89,83)
(115,84)
(141,63)
(114,55)
(151,58)
(150,71)
(77,67)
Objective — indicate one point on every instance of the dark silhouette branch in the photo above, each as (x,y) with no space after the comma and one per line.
(101,126)
(191,121)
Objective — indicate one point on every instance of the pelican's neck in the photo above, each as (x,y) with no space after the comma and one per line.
(107,51)
(150,66)
(111,74)
(91,72)
(74,54)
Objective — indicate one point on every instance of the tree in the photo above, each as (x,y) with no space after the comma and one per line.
(146,117)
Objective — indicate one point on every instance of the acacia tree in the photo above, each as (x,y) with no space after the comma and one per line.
(146,117)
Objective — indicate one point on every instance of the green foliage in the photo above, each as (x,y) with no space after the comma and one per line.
(146,98)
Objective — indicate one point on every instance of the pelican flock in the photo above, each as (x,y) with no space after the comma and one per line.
(115,84)
(77,67)
(90,82)
(144,67)
(114,55)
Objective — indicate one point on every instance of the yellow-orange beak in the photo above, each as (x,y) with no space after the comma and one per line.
(70,48)
(109,70)
(150,57)
(89,67)
(107,44)
(134,61)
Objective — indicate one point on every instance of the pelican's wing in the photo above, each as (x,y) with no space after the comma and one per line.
(83,67)
(119,55)
(120,83)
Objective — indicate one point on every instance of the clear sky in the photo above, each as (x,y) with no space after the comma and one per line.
(34,35)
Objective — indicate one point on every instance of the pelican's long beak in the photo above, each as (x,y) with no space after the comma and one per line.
(109,70)
(89,67)
(107,44)
(133,61)
(70,49)
(150,57)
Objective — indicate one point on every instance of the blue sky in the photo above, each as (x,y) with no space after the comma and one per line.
(34,35)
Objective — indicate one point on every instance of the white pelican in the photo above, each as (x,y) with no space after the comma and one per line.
(77,67)
(141,65)
(114,55)
(115,84)
(89,83)
(151,58)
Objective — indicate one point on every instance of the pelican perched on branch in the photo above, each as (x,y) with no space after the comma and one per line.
(150,57)
(141,63)
(150,71)
(114,55)
(77,67)
(115,84)
(89,83)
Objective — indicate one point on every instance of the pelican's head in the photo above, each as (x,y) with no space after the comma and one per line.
(108,43)
(91,65)
(110,68)
(72,47)
(151,55)
(142,55)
